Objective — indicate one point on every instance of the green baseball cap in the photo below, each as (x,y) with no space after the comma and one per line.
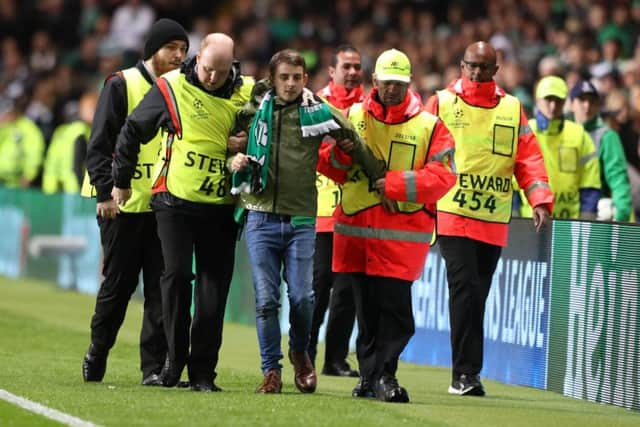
(552,86)
(393,65)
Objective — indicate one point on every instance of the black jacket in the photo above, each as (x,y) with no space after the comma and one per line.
(109,117)
(142,125)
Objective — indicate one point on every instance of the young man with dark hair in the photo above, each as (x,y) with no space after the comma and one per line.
(276,182)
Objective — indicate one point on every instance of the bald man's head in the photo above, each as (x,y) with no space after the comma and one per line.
(214,60)
(479,62)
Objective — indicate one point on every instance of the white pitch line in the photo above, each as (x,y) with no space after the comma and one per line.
(44,410)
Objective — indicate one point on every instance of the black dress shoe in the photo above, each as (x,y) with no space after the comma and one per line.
(206,386)
(339,370)
(94,365)
(171,373)
(388,390)
(152,380)
(363,389)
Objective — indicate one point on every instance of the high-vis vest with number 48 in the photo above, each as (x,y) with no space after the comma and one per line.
(192,165)
(486,144)
(403,146)
(137,87)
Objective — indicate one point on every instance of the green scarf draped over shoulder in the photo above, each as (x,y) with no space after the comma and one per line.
(315,119)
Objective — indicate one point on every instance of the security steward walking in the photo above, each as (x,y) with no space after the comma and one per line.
(197,107)
(128,233)
(383,228)
(493,143)
(344,89)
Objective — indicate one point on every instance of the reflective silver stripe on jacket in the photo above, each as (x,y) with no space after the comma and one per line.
(534,185)
(382,233)
(410,185)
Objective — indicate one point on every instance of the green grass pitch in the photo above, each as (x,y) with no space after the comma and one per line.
(44,332)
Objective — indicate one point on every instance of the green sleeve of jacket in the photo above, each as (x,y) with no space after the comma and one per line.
(361,153)
(614,169)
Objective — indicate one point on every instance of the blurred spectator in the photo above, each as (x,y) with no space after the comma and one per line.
(89,17)
(21,145)
(617,114)
(130,24)
(550,65)
(41,107)
(574,40)
(14,73)
(65,161)
(42,57)
(615,200)
(200,27)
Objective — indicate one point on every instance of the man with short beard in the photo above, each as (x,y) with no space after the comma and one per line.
(128,233)
(344,89)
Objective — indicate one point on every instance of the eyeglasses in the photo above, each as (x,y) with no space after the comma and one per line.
(480,65)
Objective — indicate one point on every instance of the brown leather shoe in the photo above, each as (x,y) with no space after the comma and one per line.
(305,374)
(272,382)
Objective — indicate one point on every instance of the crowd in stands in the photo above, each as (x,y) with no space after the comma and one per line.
(52,52)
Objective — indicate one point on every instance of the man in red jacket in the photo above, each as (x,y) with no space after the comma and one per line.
(493,143)
(344,89)
(383,227)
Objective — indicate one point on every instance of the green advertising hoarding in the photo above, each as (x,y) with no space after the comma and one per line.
(593,337)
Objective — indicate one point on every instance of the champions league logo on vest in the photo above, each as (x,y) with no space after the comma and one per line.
(199,111)
(361,126)
(458,116)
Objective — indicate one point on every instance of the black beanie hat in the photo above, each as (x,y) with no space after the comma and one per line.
(163,31)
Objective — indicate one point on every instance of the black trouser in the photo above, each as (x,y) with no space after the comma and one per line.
(130,244)
(339,298)
(385,321)
(470,267)
(212,238)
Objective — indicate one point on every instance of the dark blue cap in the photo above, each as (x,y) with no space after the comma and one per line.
(583,87)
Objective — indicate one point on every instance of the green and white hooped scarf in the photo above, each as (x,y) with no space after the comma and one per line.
(315,119)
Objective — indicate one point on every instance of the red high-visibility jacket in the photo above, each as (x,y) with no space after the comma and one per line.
(378,243)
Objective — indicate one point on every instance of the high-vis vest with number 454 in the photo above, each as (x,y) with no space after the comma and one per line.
(403,146)
(486,144)
(192,164)
(137,87)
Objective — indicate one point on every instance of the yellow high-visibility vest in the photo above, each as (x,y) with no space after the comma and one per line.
(193,163)
(572,163)
(486,144)
(137,87)
(403,146)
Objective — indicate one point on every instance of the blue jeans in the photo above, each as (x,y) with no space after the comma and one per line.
(274,244)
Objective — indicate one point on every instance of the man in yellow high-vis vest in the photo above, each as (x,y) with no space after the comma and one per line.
(383,226)
(493,144)
(570,156)
(128,233)
(196,106)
